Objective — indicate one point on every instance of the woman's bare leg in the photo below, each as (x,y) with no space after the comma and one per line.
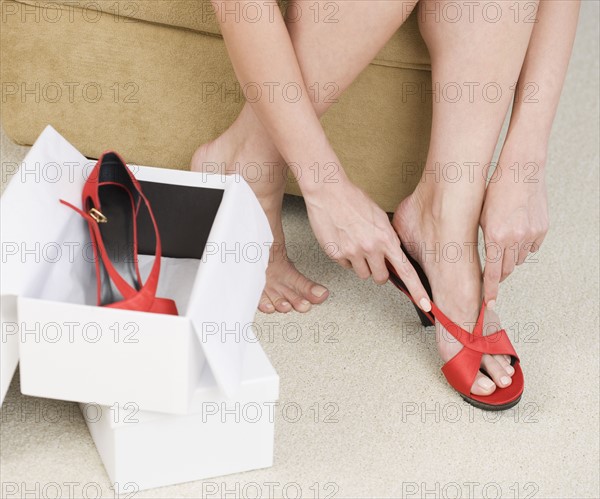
(475,64)
(328,53)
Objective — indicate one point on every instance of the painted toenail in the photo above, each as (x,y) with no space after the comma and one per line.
(505,380)
(510,370)
(318,291)
(485,383)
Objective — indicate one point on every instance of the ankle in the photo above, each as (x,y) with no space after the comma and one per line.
(449,209)
(250,136)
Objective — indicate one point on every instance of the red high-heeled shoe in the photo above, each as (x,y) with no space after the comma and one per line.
(460,370)
(111,202)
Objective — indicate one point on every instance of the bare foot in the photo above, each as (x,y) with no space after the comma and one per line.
(447,252)
(239,150)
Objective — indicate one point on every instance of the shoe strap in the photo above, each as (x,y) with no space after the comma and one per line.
(460,334)
(150,286)
(126,290)
(151,283)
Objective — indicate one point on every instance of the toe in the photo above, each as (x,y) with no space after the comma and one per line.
(299,303)
(310,290)
(483,385)
(265,304)
(279,301)
(502,360)
(320,293)
(496,371)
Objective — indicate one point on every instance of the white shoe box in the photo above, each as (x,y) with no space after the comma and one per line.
(167,399)
(142,450)
(9,342)
(71,349)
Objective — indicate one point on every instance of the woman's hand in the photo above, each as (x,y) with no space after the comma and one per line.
(356,233)
(514,219)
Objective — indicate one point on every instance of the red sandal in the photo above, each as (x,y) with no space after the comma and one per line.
(461,370)
(111,202)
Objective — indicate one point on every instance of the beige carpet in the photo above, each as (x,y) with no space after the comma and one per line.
(375,374)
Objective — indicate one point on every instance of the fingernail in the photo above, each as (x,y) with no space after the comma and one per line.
(318,290)
(485,383)
(510,370)
(491,304)
(505,380)
(425,304)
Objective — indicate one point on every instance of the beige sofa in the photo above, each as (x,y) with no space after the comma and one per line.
(149,78)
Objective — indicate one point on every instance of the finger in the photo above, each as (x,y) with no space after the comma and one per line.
(523,252)
(360,267)
(508,264)
(537,243)
(492,273)
(409,276)
(378,268)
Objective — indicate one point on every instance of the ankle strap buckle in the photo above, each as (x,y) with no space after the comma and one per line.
(98,216)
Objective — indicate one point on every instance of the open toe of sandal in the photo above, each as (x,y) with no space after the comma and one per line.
(460,371)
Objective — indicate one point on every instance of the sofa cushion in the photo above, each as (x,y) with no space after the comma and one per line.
(405,49)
